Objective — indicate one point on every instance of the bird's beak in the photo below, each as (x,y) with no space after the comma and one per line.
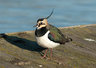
(35,25)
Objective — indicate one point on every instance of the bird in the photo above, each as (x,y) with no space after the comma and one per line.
(49,36)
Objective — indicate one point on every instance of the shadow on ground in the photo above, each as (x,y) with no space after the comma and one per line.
(23,43)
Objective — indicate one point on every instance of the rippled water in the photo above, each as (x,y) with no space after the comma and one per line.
(21,15)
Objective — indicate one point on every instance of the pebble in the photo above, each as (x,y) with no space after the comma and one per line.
(59,63)
(40,66)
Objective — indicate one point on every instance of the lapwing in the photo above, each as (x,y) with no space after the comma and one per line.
(48,36)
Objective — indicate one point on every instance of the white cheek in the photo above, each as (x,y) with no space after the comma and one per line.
(41,26)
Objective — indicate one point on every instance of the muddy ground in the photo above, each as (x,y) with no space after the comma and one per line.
(20,50)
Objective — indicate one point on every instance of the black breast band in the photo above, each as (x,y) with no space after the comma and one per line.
(41,32)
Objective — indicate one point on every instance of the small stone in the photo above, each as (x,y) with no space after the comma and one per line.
(89,39)
(40,66)
(59,63)
(21,63)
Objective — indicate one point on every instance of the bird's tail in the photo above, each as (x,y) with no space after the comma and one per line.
(2,35)
(68,39)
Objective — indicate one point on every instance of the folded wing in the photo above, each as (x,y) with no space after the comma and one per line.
(56,35)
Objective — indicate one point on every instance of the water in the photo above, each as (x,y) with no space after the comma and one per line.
(21,15)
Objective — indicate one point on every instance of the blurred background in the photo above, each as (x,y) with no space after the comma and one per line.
(21,15)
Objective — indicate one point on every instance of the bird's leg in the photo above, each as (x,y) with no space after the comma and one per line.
(51,53)
(44,56)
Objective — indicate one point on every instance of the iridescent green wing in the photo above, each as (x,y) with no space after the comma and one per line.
(56,35)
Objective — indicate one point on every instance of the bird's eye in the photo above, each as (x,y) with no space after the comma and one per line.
(41,23)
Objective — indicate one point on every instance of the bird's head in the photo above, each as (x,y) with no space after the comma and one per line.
(42,22)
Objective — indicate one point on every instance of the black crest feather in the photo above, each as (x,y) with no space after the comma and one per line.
(50,14)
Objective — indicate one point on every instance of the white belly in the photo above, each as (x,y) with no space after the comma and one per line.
(45,42)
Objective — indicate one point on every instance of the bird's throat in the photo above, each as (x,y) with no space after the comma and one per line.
(40,32)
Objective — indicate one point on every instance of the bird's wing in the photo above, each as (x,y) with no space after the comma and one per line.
(56,35)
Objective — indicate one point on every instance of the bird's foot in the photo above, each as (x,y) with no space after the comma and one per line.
(46,57)
(43,57)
